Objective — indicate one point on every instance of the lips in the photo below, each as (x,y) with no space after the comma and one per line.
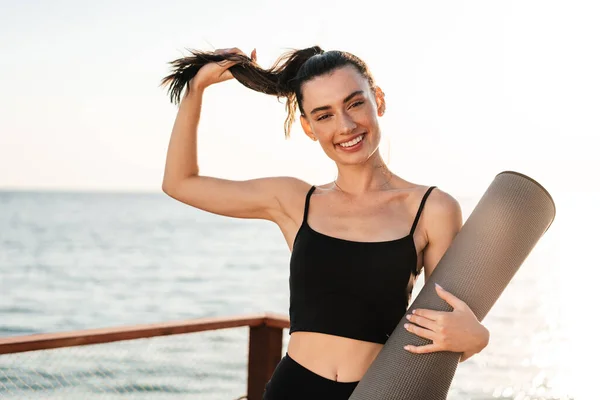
(351,138)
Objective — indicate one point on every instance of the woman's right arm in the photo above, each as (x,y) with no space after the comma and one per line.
(261,198)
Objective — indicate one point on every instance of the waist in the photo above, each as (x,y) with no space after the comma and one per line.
(333,357)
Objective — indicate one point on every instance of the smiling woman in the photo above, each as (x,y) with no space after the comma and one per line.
(369,234)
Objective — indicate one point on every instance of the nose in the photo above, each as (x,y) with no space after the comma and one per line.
(347,124)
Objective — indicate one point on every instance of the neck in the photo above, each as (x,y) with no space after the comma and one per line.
(371,176)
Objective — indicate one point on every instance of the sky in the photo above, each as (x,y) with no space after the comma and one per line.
(473,88)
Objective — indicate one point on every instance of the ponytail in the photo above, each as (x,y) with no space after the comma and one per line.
(280,80)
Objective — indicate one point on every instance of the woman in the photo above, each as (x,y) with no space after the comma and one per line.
(357,244)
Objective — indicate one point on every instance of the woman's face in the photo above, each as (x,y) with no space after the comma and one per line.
(341,112)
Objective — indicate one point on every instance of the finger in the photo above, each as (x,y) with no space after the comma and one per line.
(235,50)
(428,348)
(422,332)
(448,297)
(422,321)
(429,314)
(227,50)
(226,64)
(253,55)
(229,63)
(231,50)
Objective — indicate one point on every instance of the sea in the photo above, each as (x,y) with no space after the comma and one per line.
(80,260)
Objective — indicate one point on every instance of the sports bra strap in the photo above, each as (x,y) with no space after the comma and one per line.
(307,202)
(414,226)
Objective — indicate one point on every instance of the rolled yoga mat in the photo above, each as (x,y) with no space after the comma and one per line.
(505,225)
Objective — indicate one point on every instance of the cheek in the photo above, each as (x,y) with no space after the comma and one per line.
(372,123)
(367,114)
(324,132)
(370,119)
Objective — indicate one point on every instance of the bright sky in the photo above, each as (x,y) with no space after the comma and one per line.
(473,88)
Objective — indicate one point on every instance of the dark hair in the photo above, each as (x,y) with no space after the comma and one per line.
(283,79)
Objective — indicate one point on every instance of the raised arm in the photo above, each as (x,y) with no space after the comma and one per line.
(256,198)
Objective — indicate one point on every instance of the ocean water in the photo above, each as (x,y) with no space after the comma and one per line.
(71,261)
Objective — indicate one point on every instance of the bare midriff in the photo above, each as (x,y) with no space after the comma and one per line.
(333,357)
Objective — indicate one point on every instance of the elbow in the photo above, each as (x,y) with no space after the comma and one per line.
(171,186)
(168,188)
(174,184)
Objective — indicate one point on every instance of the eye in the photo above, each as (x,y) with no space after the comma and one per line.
(323,117)
(357,103)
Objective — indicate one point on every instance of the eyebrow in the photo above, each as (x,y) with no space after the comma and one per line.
(351,95)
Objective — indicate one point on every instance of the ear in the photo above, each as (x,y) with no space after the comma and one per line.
(306,127)
(380,99)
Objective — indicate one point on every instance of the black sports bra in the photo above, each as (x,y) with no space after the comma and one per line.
(358,290)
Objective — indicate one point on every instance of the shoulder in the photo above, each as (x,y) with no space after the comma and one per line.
(442,216)
(437,204)
(442,207)
(290,194)
(286,188)
(286,183)
(443,220)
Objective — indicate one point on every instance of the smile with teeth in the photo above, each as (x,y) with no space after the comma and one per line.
(353,141)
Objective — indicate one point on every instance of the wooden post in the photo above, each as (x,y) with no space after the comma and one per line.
(264,354)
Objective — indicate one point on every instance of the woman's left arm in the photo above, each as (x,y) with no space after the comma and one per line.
(458,330)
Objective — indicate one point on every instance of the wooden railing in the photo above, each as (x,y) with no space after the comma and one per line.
(265,341)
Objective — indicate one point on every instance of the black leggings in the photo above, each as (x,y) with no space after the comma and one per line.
(292,381)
